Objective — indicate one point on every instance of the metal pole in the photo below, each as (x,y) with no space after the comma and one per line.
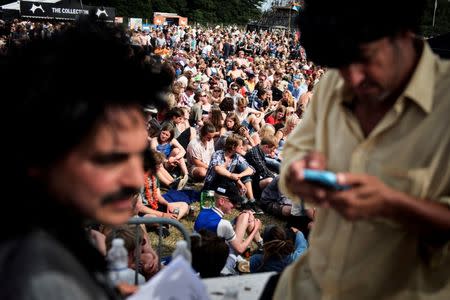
(175,223)
(434,13)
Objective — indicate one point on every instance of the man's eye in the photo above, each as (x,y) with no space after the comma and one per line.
(104,159)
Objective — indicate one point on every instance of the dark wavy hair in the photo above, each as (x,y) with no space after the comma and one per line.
(56,91)
(72,79)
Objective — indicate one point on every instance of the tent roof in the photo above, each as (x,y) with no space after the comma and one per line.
(16,4)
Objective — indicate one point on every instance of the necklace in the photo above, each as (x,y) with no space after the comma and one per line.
(152,197)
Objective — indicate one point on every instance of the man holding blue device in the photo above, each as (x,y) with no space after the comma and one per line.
(378,121)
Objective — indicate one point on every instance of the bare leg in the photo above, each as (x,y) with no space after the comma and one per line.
(241,225)
(249,188)
(265,182)
(199,173)
(251,226)
(180,162)
(164,176)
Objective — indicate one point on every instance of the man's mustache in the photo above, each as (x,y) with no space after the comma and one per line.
(124,193)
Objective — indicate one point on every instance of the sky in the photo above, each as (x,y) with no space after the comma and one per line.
(267,3)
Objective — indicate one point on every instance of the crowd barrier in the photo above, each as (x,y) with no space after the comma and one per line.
(152,221)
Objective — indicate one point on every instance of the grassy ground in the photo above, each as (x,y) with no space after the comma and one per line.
(168,244)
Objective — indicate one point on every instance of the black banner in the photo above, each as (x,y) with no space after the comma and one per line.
(64,11)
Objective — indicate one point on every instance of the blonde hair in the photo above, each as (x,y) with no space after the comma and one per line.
(292,119)
(266,130)
(242,102)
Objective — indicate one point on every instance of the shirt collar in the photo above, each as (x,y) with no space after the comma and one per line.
(218,211)
(420,88)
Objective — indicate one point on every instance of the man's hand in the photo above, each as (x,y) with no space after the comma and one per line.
(169,215)
(296,183)
(171,161)
(234,177)
(257,225)
(368,197)
(170,207)
(126,289)
(242,188)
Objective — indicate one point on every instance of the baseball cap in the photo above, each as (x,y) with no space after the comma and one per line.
(229,190)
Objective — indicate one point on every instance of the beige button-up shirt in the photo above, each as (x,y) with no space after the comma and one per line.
(408,150)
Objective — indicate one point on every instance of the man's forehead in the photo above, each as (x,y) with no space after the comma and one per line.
(121,128)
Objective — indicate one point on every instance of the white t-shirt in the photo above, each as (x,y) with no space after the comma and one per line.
(224,229)
(197,150)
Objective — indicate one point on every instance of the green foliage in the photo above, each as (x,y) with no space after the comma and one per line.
(197,11)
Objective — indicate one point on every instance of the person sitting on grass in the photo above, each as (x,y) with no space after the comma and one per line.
(230,166)
(200,151)
(174,152)
(279,250)
(136,241)
(226,196)
(150,201)
(163,176)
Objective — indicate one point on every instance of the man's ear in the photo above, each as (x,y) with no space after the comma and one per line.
(221,200)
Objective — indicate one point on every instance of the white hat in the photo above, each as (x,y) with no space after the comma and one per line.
(151,109)
(204,79)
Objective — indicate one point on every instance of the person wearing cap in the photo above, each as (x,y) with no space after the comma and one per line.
(379,119)
(226,196)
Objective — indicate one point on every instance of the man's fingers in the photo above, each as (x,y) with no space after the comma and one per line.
(315,160)
(351,179)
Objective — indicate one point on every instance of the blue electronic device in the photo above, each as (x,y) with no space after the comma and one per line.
(325,178)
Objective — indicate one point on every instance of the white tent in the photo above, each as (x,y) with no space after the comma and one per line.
(16,5)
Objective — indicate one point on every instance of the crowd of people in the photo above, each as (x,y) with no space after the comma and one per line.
(233,100)
(239,114)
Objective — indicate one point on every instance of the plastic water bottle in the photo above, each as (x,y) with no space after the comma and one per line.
(118,261)
(183,251)
(207,199)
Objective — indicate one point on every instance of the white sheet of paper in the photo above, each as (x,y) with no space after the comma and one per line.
(177,281)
